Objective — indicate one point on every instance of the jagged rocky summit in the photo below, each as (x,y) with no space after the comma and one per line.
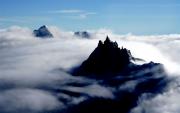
(43,32)
(108,60)
(82,34)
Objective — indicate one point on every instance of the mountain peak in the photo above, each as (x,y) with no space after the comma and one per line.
(44,26)
(43,32)
(109,44)
(83,34)
(106,59)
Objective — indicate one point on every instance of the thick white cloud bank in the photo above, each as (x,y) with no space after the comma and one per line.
(32,99)
(30,67)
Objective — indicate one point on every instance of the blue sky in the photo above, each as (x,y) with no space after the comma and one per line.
(122,16)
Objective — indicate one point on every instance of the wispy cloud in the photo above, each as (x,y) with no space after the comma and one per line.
(70,11)
(22,19)
(85,15)
(13,20)
(73,13)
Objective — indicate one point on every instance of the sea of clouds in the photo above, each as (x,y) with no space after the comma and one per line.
(33,69)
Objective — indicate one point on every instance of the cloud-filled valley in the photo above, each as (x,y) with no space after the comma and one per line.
(34,72)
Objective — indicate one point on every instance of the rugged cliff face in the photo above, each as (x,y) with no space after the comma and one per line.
(108,60)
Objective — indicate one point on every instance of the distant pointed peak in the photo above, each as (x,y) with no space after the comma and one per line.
(43,31)
(83,34)
(43,27)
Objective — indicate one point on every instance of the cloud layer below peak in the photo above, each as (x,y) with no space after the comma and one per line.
(32,69)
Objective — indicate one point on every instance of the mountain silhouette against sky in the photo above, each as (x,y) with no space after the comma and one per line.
(43,32)
(108,60)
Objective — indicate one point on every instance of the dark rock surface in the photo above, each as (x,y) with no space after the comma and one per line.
(43,32)
(82,34)
(107,60)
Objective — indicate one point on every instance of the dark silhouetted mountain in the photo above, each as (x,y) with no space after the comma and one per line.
(106,59)
(43,32)
(83,34)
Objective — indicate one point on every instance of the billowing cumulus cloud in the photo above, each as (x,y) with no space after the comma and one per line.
(34,71)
